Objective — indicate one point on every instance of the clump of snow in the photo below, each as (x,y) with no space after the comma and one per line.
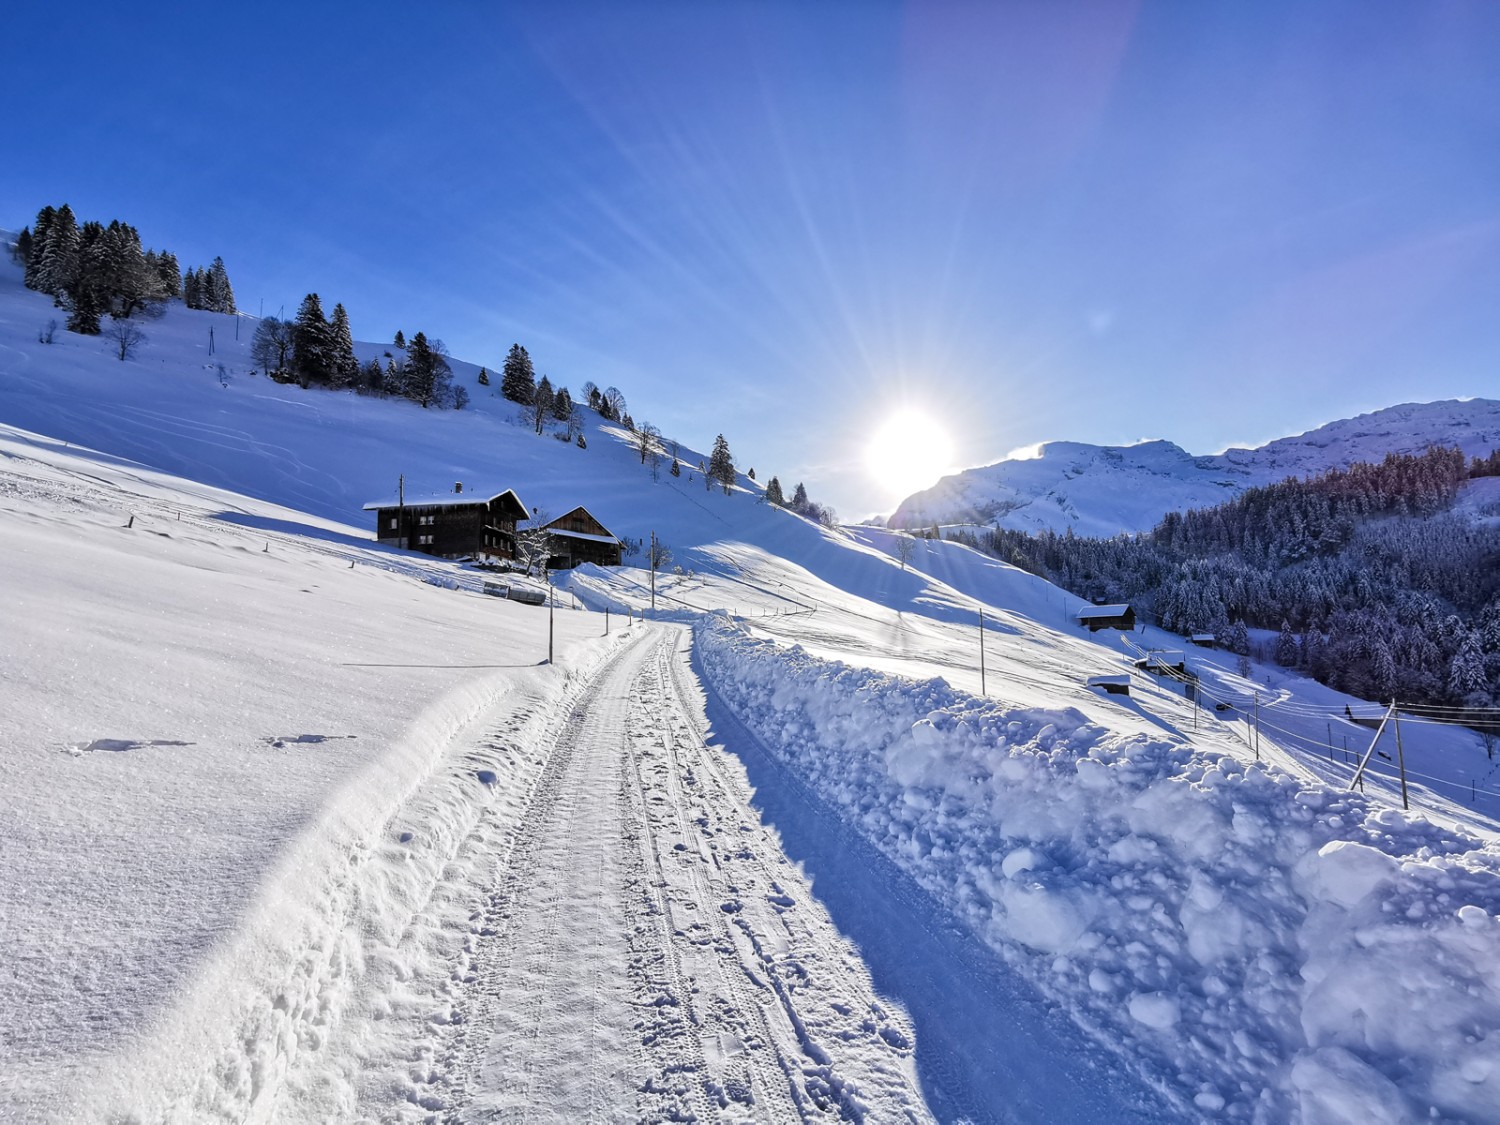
(1279,948)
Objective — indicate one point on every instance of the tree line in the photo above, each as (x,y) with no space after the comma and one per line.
(92,270)
(1372,585)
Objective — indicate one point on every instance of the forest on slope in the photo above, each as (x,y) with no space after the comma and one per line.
(1372,582)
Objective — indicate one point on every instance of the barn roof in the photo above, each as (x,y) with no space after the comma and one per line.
(1091,611)
(582,535)
(511,506)
(605,538)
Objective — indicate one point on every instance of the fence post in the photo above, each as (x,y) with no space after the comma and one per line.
(982,690)
(1400,756)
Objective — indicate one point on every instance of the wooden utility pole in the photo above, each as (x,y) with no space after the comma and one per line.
(551,601)
(1359,772)
(653,572)
(982,690)
(1257,726)
(400,511)
(606,621)
(1400,755)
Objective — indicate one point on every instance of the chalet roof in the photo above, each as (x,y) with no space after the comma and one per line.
(1091,611)
(561,534)
(1115,681)
(1201,637)
(1170,657)
(512,507)
(555,530)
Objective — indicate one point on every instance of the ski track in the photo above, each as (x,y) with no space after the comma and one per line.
(643,950)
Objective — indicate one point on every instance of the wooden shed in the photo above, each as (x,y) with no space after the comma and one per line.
(456,524)
(577,537)
(1112,685)
(1096,617)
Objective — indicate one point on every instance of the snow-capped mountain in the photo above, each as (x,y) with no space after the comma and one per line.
(1105,490)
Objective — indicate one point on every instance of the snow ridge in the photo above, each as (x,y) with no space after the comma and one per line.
(1276,948)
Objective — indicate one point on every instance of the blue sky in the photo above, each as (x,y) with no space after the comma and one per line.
(1215,223)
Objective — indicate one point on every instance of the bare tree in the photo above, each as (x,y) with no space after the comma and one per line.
(272,346)
(658,555)
(648,445)
(906,546)
(126,337)
(534,543)
(615,402)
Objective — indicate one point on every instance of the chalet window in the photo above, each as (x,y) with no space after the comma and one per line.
(426,521)
(424,540)
(393,523)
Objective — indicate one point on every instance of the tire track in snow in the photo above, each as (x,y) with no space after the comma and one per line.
(633,961)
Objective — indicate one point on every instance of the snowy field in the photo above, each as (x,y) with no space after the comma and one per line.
(301,828)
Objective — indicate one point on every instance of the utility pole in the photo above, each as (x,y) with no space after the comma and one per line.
(982,690)
(653,573)
(210,339)
(1400,755)
(1257,726)
(401,511)
(606,621)
(551,600)
(1359,773)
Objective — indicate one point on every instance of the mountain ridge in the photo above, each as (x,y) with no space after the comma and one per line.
(1109,490)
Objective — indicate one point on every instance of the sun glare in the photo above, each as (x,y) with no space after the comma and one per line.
(908,453)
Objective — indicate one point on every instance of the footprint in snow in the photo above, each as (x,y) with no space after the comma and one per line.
(119,745)
(303,739)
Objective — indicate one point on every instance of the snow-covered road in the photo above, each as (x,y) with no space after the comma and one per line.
(641,948)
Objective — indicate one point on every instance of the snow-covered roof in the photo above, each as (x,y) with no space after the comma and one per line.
(1101,611)
(1201,637)
(1113,681)
(582,535)
(440,499)
(1169,656)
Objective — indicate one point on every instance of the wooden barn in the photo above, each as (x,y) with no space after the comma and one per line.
(577,537)
(456,524)
(1096,617)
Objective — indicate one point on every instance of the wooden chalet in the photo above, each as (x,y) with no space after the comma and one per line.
(1096,617)
(577,537)
(456,524)
(1112,685)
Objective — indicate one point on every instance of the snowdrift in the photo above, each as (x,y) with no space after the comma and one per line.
(1275,948)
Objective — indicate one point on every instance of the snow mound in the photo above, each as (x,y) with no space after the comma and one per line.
(1276,948)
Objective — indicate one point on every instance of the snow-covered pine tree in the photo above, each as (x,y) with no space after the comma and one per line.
(343,367)
(562,405)
(518,377)
(220,292)
(192,296)
(400,340)
(721,464)
(1286,646)
(484,377)
(310,344)
(774,494)
(799,500)
(33,263)
(59,263)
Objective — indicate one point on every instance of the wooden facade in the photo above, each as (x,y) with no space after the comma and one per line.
(453,524)
(1096,617)
(577,537)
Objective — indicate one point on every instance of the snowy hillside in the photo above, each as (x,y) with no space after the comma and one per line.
(1106,490)
(304,829)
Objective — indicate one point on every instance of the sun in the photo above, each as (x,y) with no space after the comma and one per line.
(908,452)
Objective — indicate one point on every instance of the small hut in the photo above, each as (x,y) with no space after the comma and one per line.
(1096,617)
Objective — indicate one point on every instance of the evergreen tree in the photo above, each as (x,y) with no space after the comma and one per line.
(1466,673)
(400,340)
(427,372)
(58,264)
(484,377)
(1286,646)
(311,360)
(44,220)
(170,274)
(20,251)
(773,492)
(751,474)
(395,379)
(518,377)
(342,365)
(191,290)
(562,405)
(721,464)
(372,379)
(799,500)
(218,293)
(676,467)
